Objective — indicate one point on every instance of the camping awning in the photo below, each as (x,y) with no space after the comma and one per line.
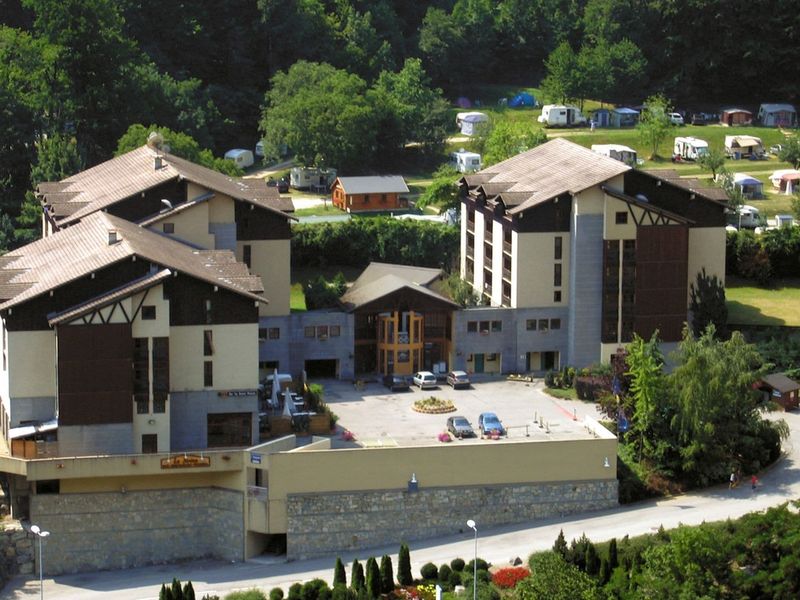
(790,176)
(747,142)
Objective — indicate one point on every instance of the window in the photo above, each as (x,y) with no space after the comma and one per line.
(322,331)
(555,323)
(168,227)
(366,198)
(335,331)
(159,402)
(208,343)
(148,313)
(383,198)
(208,374)
(497,326)
(160,373)
(491,357)
(472,327)
(557,274)
(310,331)
(557,296)
(207,307)
(484,327)
(557,247)
(149,443)
(543,325)
(621,218)
(247,255)
(141,375)
(262,334)
(530,324)
(274,333)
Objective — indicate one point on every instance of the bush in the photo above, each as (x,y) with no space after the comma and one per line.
(295,592)
(457,564)
(429,571)
(509,577)
(590,387)
(404,576)
(444,574)
(316,589)
(276,594)
(550,379)
(246,595)
(387,574)
(454,579)
(482,566)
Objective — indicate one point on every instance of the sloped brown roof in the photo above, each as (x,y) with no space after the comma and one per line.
(547,171)
(375,270)
(780,382)
(692,184)
(381,279)
(83,248)
(134,172)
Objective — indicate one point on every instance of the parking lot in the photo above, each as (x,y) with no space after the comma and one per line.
(379,418)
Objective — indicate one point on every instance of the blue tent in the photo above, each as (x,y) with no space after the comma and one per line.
(522,99)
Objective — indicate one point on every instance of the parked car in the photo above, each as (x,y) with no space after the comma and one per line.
(488,422)
(282,184)
(396,383)
(424,379)
(457,379)
(676,118)
(460,427)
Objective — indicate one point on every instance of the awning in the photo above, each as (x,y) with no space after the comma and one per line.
(26,430)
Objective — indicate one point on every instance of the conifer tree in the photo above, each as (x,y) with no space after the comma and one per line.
(339,577)
(373,578)
(387,574)
(404,576)
(357,576)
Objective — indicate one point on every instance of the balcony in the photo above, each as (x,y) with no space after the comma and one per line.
(470,252)
(507,274)
(506,247)
(487,262)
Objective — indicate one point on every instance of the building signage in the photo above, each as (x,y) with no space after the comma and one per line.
(237,393)
(255,458)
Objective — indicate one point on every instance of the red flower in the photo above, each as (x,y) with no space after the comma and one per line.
(509,577)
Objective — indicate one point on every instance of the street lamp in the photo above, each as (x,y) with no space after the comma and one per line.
(36,530)
(471,525)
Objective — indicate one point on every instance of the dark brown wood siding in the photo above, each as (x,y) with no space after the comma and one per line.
(147,203)
(95,374)
(548,216)
(32,315)
(254,223)
(661,274)
(187,304)
(704,213)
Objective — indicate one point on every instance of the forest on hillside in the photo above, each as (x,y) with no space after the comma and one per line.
(76,74)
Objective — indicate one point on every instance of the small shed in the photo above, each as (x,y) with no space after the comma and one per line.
(781,389)
(373,193)
(731,117)
(750,187)
(469,121)
(777,115)
(623,117)
(601,117)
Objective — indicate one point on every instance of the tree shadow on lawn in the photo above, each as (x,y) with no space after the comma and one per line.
(745,314)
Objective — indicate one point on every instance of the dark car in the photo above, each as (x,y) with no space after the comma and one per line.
(460,427)
(488,422)
(396,383)
(282,184)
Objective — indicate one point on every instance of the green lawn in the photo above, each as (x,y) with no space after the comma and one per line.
(297,299)
(563,393)
(751,305)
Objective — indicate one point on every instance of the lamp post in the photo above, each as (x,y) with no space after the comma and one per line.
(471,525)
(37,531)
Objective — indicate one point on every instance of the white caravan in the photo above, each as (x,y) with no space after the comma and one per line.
(559,115)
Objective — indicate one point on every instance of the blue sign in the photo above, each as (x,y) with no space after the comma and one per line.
(623,424)
(255,458)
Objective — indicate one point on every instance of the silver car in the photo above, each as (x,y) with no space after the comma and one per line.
(458,379)
(424,379)
(460,427)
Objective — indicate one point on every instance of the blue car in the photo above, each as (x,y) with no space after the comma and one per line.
(488,422)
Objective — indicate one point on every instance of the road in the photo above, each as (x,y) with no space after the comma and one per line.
(497,545)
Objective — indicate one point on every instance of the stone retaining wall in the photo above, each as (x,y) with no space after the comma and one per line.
(333,522)
(16,551)
(89,532)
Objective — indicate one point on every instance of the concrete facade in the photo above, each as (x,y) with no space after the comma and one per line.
(123,530)
(321,524)
(189,415)
(586,285)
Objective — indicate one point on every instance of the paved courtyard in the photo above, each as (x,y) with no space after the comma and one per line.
(378,417)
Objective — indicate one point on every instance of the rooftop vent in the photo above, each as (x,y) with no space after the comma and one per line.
(157,163)
(113,237)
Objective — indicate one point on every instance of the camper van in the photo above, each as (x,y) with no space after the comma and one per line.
(558,115)
(312,178)
(689,148)
(617,152)
(744,146)
(748,216)
(242,158)
(465,162)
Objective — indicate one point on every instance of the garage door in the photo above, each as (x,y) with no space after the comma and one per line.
(322,369)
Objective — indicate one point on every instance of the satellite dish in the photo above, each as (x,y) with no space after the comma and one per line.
(155,140)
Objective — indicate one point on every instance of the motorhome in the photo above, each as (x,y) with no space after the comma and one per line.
(617,152)
(242,158)
(689,148)
(559,115)
(312,178)
(465,162)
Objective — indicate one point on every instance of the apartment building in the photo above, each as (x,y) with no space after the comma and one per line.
(563,235)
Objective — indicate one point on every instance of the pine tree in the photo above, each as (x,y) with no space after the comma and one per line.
(165,593)
(592,560)
(177,591)
(605,571)
(560,545)
(188,591)
(339,577)
(613,556)
(357,576)
(387,574)
(373,578)
(404,576)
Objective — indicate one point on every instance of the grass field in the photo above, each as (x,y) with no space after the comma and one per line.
(751,305)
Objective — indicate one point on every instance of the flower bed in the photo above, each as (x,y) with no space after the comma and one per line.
(433,406)
(509,577)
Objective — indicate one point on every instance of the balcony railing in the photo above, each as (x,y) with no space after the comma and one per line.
(487,262)
(507,274)
(507,247)
(470,252)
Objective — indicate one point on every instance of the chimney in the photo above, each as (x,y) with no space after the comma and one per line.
(113,237)
(157,164)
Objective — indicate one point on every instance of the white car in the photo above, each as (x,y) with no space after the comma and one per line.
(676,118)
(424,379)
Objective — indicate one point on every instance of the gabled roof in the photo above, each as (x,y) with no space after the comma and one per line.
(547,171)
(692,184)
(134,172)
(780,382)
(375,184)
(379,280)
(77,251)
